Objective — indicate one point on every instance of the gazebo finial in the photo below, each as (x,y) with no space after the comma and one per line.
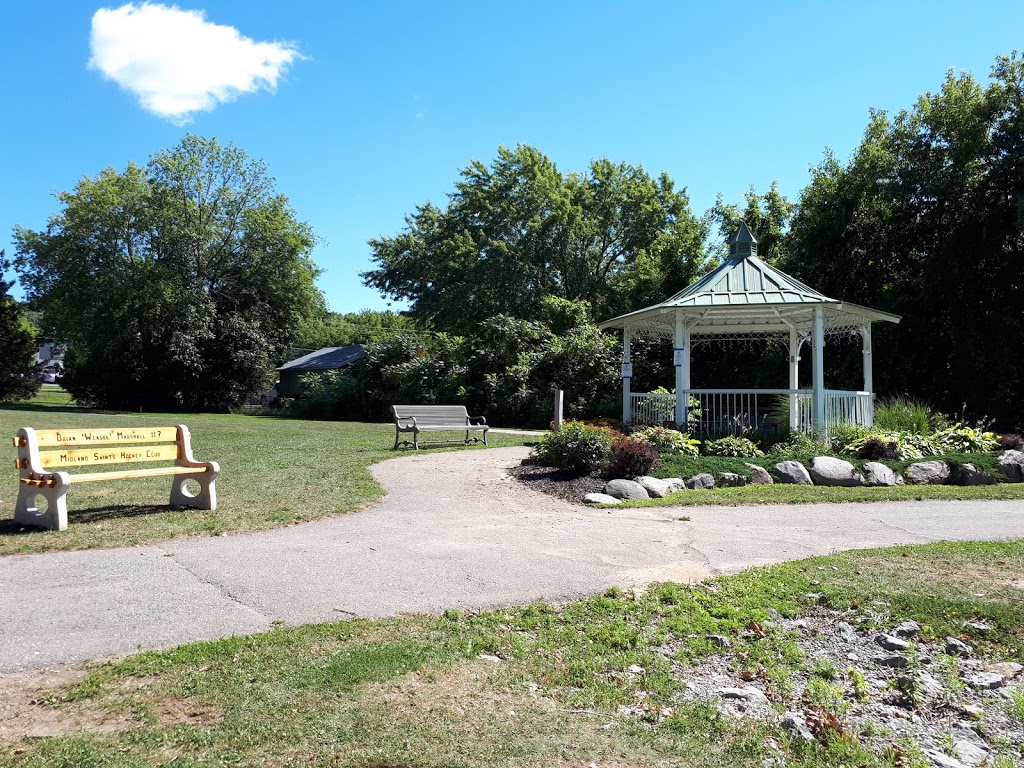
(742,244)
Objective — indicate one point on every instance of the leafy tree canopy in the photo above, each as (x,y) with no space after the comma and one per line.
(519,230)
(177,285)
(508,369)
(927,220)
(336,330)
(18,379)
(766,215)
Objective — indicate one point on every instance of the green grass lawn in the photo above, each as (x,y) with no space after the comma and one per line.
(540,685)
(274,472)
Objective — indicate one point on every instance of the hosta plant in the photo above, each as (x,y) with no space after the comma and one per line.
(739,447)
(961,439)
(904,445)
(668,441)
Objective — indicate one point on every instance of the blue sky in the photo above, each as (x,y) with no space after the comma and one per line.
(377,105)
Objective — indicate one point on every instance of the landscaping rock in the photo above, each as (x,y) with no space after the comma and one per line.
(906,629)
(720,640)
(891,642)
(731,480)
(701,482)
(1011,464)
(749,695)
(795,722)
(1008,669)
(626,489)
(968,474)
(677,484)
(970,753)
(600,498)
(828,470)
(896,662)
(957,647)
(941,760)
(792,472)
(846,633)
(759,475)
(655,486)
(986,681)
(928,473)
(877,474)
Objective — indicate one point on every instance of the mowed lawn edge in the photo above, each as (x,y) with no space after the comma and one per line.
(274,472)
(600,680)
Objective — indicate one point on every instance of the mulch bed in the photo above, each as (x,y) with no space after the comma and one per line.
(568,486)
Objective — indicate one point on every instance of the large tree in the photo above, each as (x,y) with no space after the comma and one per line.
(178,285)
(519,231)
(18,375)
(927,220)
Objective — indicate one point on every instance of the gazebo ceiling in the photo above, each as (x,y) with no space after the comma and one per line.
(744,295)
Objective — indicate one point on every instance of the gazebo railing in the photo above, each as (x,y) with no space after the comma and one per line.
(736,411)
(844,407)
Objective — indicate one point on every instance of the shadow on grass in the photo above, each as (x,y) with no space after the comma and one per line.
(10,527)
(69,407)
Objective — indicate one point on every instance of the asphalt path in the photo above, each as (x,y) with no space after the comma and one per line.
(454,531)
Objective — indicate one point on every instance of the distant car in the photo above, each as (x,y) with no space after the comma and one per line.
(271,398)
(49,374)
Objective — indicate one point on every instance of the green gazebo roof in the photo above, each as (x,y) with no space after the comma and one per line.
(744,295)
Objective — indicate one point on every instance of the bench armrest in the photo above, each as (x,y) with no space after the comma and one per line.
(410,419)
(477,420)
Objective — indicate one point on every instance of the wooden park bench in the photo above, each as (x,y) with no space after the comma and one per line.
(436,418)
(85,447)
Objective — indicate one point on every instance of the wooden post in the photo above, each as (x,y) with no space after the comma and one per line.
(627,374)
(559,402)
(819,372)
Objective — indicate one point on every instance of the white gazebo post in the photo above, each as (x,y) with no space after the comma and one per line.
(627,374)
(869,384)
(819,371)
(681,359)
(794,378)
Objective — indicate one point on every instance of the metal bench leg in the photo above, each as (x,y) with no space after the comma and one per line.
(56,515)
(397,433)
(415,441)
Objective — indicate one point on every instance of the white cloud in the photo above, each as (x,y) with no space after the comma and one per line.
(178,63)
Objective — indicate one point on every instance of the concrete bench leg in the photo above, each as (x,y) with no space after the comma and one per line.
(56,515)
(205,499)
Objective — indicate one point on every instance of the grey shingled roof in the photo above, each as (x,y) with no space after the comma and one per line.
(325,359)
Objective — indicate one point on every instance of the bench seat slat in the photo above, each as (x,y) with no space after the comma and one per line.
(130,473)
(122,475)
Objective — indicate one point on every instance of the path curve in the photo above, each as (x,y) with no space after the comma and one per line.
(454,531)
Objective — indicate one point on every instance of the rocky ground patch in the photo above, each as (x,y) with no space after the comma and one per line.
(921,700)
